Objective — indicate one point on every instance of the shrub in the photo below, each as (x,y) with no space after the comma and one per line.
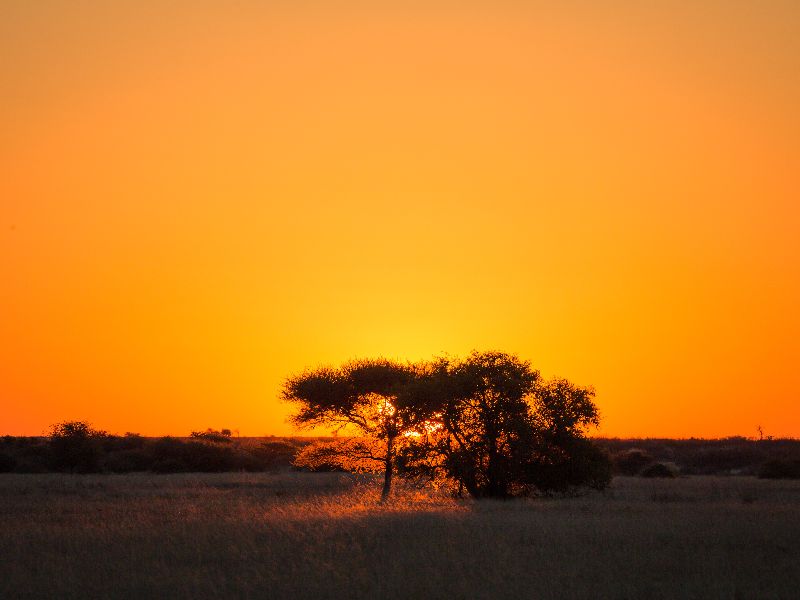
(658,470)
(129,441)
(33,457)
(212,435)
(580,463)
(127,461)
(725,457)
(76,447)
(273,455)
(780,469)
(7,463)
(631,462)
(171,454)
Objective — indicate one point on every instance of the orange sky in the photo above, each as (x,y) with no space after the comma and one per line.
(200,198)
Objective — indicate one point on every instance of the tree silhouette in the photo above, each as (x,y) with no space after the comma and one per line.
(485,433)
(487,423)
(75,446)
(361,396)
(504,430)
(562,456)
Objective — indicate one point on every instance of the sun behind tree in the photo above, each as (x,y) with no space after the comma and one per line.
(487,423)
(363,397)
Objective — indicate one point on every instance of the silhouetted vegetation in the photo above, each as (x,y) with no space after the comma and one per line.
(222,436)
(727,456)
(571,465)
(365,395)
(487,424)
(780,469)
(76,447)
(658,470)
(7,463)
(777,458)
(631,462)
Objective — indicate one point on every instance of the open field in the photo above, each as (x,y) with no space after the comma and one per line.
(325,536)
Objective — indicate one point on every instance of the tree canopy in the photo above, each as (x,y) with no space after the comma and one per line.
(361,395)
(488,423)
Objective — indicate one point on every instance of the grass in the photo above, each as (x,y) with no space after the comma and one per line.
(325,536)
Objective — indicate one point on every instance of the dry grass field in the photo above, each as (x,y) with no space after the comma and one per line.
(325,536)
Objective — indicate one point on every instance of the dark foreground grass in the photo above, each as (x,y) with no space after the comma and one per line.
(325,536)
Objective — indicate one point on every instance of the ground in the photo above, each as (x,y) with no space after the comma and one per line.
(325,536)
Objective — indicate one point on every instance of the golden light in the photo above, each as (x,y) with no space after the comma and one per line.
(199,201)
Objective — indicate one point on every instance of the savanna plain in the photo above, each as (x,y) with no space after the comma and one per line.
(326,535)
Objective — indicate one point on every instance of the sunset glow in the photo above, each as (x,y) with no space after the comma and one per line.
(199,199)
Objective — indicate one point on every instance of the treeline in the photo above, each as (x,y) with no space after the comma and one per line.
(76,447)
(81,449)
(768,458)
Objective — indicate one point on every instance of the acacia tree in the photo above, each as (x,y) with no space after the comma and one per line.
(487,423)
(364,396)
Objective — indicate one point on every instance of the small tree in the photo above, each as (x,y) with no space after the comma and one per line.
(361,396)
(212,435)
(75,446)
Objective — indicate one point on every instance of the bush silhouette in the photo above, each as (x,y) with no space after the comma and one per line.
(780,469)
(127,461)
(583,464)
(632,462)
(76,447)
(7,463)
(174,455)
(212,435)
(275,454)
(658,470)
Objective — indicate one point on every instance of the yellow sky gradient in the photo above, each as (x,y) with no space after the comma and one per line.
(201,198)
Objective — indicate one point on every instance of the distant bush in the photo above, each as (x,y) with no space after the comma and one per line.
(127,461)
(277,454)
(7,463)
(129,441)
(728,456)
(582,464)
(212,435)
(32,456)
(194,456)
(76,447)
(780,469)
(168,456)
(631,462)
(725,457)
(659,470)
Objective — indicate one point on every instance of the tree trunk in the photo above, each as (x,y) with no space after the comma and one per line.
(388,468)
